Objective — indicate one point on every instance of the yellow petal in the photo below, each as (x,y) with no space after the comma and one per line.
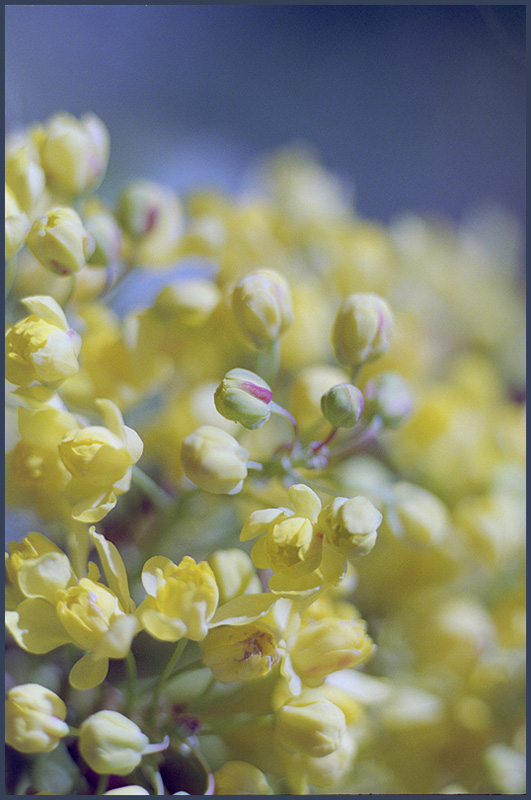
(35,626)
(88,672)
(113,568)
(245,608)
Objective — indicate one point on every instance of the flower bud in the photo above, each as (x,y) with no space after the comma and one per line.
(141,206)
(240,652)
(111,744)
(95,456)
(387,396)
(60,242)
(308,387)
(240,777)
(235,574)
(107,237)
(34,719)
(311,724)
(362,329)
(342,405)
(422,517)
(244,397)
(74,153)
(16,225)
(214,461)
(261,303)
(329,645)
(41,347)
(351,525)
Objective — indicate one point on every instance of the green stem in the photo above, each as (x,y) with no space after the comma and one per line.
(160,498)
(131,681)
(267,361)
(237,722)
(102,784)
(177,653)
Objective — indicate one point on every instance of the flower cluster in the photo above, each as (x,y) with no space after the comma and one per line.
(303,447)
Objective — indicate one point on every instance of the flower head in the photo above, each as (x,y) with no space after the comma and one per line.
(74,153)
(41,347)
(181,599)
(261,302)
(362,329)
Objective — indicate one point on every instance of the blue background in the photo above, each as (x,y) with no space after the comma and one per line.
(422,108)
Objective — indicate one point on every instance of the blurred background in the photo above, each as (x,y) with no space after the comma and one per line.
(420,108)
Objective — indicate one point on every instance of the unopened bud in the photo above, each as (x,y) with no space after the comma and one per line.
(34,718)
(342,405)
(112,744)
(311,724)
(388,397)
(214,460)
(422,518)
(351,525)
(244,397)
(262,306)
(60,242)
(362,329)
(141,206)
(74,153)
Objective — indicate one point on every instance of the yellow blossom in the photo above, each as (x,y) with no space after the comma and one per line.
(99,459)
(261,302)
(240,652)
(181,599)
(41,347)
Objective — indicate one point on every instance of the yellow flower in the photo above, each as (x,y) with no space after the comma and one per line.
(16,225)
(261,302)
(99,460)
(240,777)
(310,724)
(59,241)
(190,303)
(57,608)
(41,347)
(74,153)
(34,719)
(112,744)
(417,514)
(181,599)
(328,645)
(324,772)
(214,460)
(35,472)
(362,329)
(240,652)
(291,544)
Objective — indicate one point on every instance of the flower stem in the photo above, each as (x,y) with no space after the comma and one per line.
(267,361)
(131,680)
(170,666)
(102,784)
